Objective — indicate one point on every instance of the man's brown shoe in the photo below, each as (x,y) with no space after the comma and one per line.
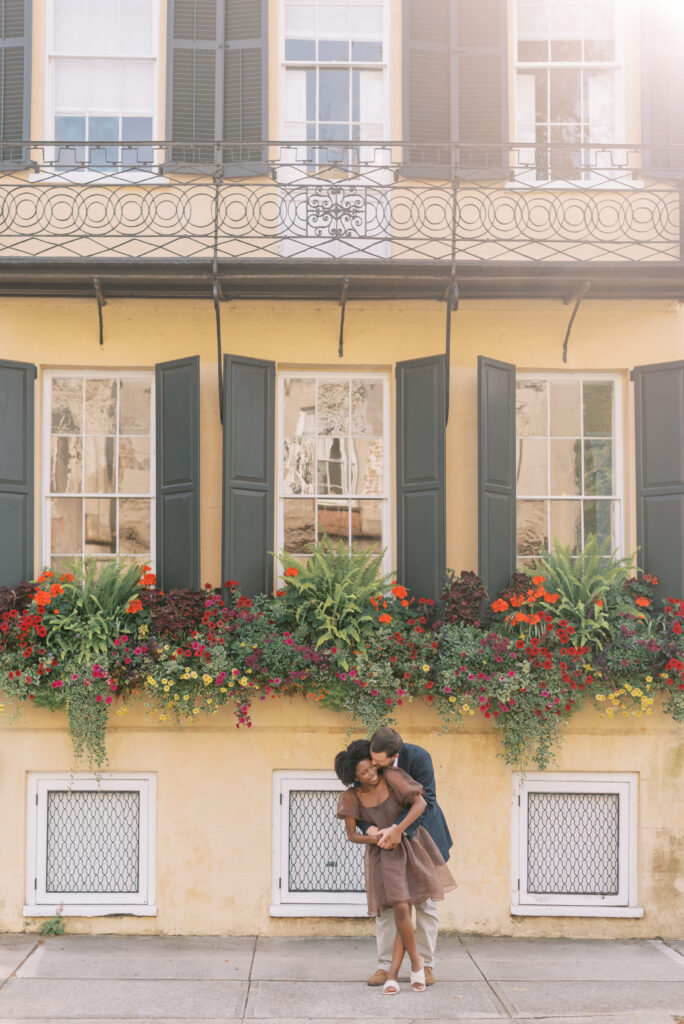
(429,977)
(379,978)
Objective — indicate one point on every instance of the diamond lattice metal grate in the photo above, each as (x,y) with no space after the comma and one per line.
(93,841)
(320,859)
(573,843)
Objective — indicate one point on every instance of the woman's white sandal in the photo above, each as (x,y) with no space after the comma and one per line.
(418,980)
(390,988)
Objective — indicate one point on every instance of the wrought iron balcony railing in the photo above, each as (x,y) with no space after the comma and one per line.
(340,200)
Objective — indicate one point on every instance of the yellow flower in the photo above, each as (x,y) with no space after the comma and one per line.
(637,692)
(244,681)
(471,712)
(426,668)
(466,707)
(142,631)
(649,679)
(162,718)
(206,680)
(242,644)
(452,699)
(176,697)
(193,675)
(186,697)
(209,700)
(224,690)
(600,696)
(195,711)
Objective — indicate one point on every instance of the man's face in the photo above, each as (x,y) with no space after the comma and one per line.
(381,759)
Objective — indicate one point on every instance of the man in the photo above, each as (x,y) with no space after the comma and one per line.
(389,750)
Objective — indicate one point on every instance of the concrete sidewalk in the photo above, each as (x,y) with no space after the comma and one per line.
(263,981)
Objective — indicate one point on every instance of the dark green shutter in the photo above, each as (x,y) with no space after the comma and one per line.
(496,473)
(16,472)
(178,474)
(248,473)
(194,79)
(663,88)
(244,83)
(455,87)
(421,491)
(15,78)
(659,412)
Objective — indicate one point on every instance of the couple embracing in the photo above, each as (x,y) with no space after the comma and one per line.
(390,806)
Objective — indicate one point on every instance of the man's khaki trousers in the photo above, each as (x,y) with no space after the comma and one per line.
(426,933)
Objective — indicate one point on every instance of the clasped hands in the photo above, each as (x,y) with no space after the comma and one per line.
(388,838)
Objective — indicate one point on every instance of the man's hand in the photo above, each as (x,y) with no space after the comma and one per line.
(372,830)
(389,838)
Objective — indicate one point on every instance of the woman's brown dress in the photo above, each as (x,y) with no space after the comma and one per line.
(415,870)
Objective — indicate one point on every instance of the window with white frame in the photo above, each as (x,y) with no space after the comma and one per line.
(102,67)
(567,81)
(568,462)
(317,872)
(335,69)
(574,844)
(91,844)
(333,461)
(98,467)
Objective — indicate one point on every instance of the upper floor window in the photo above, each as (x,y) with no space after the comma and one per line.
(335,69)
(333,461)
(567,81)
(568,473)
(99,467)
(102,57)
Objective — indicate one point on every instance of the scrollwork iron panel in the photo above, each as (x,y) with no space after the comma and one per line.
(320,858)
(573,843)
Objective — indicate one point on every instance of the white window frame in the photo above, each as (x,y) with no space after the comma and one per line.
(618,495)
(623,175)
(289,904)
(42,904)
(384,65)
(83,175)
(48,377)
(624,904)
(385,497)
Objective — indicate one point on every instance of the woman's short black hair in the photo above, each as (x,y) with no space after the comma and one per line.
(347,760)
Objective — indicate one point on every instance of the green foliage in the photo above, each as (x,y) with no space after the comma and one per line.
(590,587)
(54,925)
(328,596)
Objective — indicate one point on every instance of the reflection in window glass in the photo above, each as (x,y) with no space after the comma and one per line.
(566,464)
(332,461)
(99,486)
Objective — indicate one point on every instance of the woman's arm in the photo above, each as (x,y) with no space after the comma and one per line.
(356,837)
(391,837)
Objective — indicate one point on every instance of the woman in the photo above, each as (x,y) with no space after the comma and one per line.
(412,872)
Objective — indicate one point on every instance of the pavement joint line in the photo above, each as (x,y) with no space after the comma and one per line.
(667,949)
(249,979)
(40,939)
(499,1001)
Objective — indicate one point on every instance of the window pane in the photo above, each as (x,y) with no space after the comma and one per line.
(134,526)
(134,465)
(531,413)
(367,465)
(298,466)
(333,21)
(138,27)
(532,469)
(600,97)
(366,51)
(599,32)
(300,49)
(333,465)
(70,87)
(100,404)
(69,26)
(598,520)
(333,407)
(566,524)
(134,411)
(100,526)
(532,527)
(366,524)
(598,467)
(67,406)
(565,95)
(333,520)
(298,525)
(300,21)
(333,50)
(564,403)
(333,94)
(66,465)
(598,409)
(366,407)
(137,95)
(566,31)
(65,525)
(103,26)
(566,468)
(104,86)
(299,406)
(99,464)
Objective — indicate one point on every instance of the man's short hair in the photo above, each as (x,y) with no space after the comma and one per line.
(386,740)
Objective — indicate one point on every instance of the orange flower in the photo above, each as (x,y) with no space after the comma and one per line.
(292,571)
(500,605)
(281,593)
(643,602)
(538,579)
(56,589)
(399,591)
(599,604)
(148,579)
(134,607)
(404,604)
(385,618)
(519,617)
(42,598)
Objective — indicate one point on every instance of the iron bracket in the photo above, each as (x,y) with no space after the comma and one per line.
(217,297)
(343,304)
(451,298)
(577,296)
(101,301)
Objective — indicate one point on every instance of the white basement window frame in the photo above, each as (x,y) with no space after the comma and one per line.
(622,901)
(289,903)
(43,902)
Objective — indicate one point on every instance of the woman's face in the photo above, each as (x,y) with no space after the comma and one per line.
(366,774)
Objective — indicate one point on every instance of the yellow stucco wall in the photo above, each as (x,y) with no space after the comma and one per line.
(214,816)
